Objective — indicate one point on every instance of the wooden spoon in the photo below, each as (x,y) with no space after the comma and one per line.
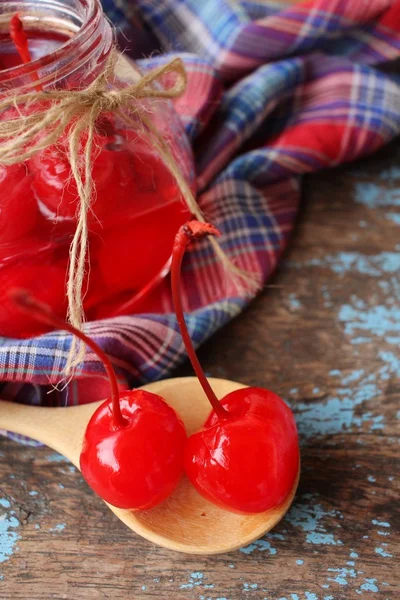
(185,522)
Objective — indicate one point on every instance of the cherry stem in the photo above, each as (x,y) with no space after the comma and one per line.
(43,313)
(20,41)
(186,234)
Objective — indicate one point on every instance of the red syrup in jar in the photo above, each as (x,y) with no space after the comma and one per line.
(136,211)
(41,43)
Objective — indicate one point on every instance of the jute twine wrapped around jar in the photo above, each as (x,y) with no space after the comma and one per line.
(75,112)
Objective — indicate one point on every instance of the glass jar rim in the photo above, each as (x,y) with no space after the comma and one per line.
(88,20)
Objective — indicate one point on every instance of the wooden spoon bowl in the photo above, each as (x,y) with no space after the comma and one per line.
(185,522)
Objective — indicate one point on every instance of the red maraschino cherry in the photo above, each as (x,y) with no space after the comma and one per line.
(56,188)
(133,448)
(18,211)
(20,41)
(246,457)
(42,275)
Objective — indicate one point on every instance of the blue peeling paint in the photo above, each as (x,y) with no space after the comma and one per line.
(390,174)
(8,534)
(390,359)
(196,579)
(59,458)
(343,575)
(383,553)
(353,376)
(373,195)
(59,527)
(276,536)
(310,596)
(371,479)
(376,320)
(322,538)
(294,303)
(5,503)
(299,561)
(395,217)
(331,416)
(377,423)
(354,262)
(360,340)
(369,585)
(250,586)
(309,515)
(353,554)
(326,295)
(380,523)
(33,493)
(262,545)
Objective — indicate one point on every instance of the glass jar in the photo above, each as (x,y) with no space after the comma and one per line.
(137,206)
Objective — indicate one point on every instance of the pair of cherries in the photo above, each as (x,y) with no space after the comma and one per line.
(135,450)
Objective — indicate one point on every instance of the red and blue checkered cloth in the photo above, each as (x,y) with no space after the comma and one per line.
(272,94)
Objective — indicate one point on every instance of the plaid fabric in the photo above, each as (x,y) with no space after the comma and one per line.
(272,94)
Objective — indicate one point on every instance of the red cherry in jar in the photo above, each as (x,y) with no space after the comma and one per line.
(132,454)
(129,179)
(246,457)
(18,209)
(56,188)
(119,250)
(42,273)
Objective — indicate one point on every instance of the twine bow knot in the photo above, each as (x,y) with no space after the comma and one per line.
(109,100)
(40,118)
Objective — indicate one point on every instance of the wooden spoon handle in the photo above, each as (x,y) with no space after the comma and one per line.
(60,428)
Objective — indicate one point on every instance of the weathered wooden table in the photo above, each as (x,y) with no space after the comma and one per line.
(326,338)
